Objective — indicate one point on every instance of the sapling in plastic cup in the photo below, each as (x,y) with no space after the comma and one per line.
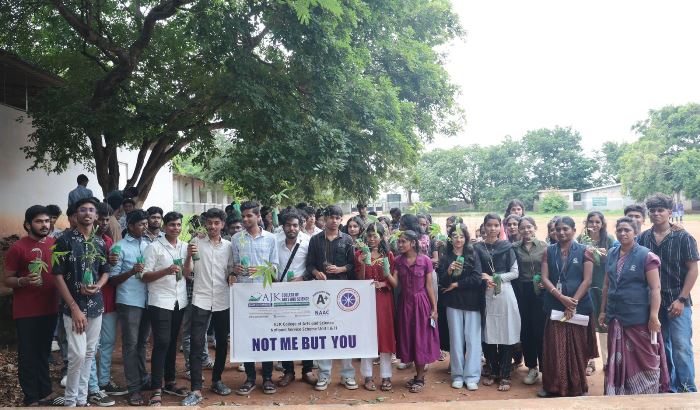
(366,252)
(460,261)
(245,262)
(386,267)
(178,262)
(536,280)
(499,282)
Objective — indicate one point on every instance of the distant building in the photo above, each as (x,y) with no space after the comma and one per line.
(604,198)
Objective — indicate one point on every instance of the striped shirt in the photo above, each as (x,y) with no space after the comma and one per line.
(675,251)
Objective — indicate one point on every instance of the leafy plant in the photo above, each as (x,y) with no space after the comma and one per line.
(553,203)
(364,248)
(57,256)
(420,207)
(276,200)
(267,272)
(91,255)
(436,232)
(586,240)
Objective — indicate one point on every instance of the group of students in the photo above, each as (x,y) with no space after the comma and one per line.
(492,299)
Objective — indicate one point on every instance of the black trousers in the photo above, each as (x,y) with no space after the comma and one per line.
(34,336)
(500,358)
(198,329)
(532,318)
(165,325)
(306,367)
(250,370)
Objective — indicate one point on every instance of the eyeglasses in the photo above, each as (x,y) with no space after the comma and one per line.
(87,210)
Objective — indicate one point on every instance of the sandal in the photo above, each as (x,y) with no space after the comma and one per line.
(590,369)
(411,382)
(504,385)
(136,399)
(417,386)
(386,384)
(369,384)
(488,381)
(155,400)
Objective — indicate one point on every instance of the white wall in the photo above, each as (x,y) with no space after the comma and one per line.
(19,188)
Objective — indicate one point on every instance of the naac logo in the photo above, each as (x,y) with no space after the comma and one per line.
(348,299)
(321,299)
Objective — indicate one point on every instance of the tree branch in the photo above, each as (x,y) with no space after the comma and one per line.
(140,158)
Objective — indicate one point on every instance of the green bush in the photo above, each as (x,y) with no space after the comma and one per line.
(553,203)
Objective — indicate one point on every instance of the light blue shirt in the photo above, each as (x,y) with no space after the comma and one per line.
(133,291)
(261,249)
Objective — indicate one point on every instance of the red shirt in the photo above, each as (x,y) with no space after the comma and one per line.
(109,293)
(31,301)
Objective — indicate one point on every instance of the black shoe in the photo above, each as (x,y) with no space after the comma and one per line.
(113,389)
(247,387)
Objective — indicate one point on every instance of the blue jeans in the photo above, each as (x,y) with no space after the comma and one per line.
(465,336)
(105,347)
(678,335)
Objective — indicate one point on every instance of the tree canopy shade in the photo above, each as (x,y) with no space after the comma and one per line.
(666,158)
(317,93)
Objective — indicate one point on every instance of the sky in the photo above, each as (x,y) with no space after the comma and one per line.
(596,66)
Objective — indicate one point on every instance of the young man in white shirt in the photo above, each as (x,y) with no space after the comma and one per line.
(210,299)
(292,248)
(167,297)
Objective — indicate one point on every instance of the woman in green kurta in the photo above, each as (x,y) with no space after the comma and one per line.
(596,236)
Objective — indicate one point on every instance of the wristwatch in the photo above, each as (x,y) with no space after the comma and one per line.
(682,299)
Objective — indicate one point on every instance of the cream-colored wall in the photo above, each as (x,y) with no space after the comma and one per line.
(20,188)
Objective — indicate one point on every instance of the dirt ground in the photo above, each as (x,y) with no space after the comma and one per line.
(438,380)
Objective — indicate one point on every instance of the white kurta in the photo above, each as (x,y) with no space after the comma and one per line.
(502,314)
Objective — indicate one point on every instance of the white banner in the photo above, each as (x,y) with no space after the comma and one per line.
(319,319)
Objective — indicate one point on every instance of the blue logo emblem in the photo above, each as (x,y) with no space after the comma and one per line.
(348,299)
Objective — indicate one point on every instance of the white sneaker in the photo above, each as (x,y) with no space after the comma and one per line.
(472,386)
(349,383)
(54,346)
(64,379)
(457,384)
(241,367)
(403,366)
(531,377)
(321,384)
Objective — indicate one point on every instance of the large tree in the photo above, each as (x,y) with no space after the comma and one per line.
(666,156)
(555,159)
(445,174)
(305,89)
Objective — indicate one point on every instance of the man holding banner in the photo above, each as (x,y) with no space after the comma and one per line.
(293,249)
(331,257)
(253,248)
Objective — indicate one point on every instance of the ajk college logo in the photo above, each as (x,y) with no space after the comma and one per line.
(348,299)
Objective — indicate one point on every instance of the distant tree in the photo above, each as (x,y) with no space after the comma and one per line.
(556,159)
(667,155)
(446,174)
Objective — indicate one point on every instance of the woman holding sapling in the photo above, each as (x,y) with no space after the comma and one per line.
(630,308)
(596,237)
(502,329)
(460,280)
(567,270)
(418,339)
(528,291)
(379,268)
(354,227)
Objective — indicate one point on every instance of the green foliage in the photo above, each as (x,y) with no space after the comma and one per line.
(420,207)
(489,177)
(325,94)
(666,156)
(553,203)
(555,159)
